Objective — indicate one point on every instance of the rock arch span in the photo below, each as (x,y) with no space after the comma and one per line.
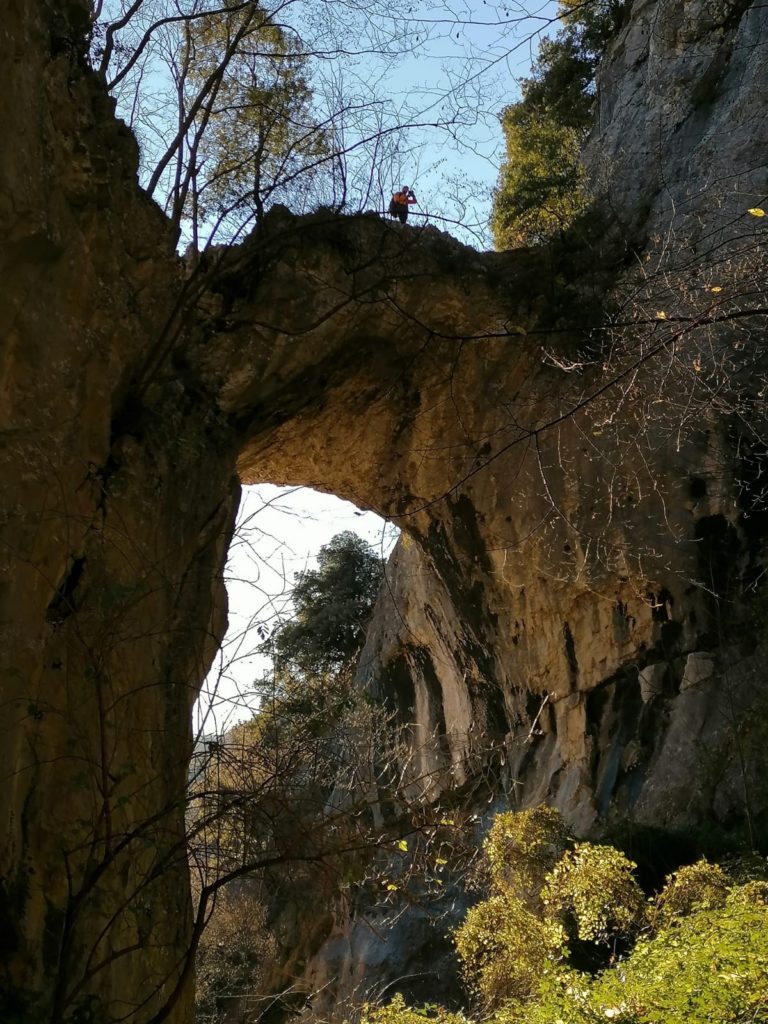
(541,600)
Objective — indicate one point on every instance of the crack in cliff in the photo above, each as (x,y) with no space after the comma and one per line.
(63,603)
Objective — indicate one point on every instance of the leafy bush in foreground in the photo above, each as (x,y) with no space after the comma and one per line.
(694,953)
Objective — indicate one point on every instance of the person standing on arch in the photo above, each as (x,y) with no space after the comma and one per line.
(401,200)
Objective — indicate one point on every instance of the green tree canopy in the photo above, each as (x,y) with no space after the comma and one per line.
(257,141)
(332,606)
(541,186)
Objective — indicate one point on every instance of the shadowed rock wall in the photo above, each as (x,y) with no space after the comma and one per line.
(115,507)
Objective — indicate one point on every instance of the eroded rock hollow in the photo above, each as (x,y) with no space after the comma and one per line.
(582,507)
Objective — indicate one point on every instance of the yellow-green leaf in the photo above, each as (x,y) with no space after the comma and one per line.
(661,315)
(402,845)
(756,211)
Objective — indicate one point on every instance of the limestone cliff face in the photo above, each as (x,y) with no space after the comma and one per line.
(584,617)
(573,598)
(115,501)
(678,138)
(585,600)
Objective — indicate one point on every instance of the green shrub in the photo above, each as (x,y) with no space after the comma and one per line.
(397,1012)
(504,950)
(522,848)
(594,888)
(710,967)
(696,886)
(695,954)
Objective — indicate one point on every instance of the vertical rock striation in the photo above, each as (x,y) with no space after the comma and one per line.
(115,506)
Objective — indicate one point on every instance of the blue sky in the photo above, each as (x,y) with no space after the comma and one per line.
(467,67)
(412,91)
(454,67)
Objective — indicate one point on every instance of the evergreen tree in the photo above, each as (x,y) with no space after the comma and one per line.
(332,605)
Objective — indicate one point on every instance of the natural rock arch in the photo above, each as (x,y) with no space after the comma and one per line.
(131,393)
(394,367)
